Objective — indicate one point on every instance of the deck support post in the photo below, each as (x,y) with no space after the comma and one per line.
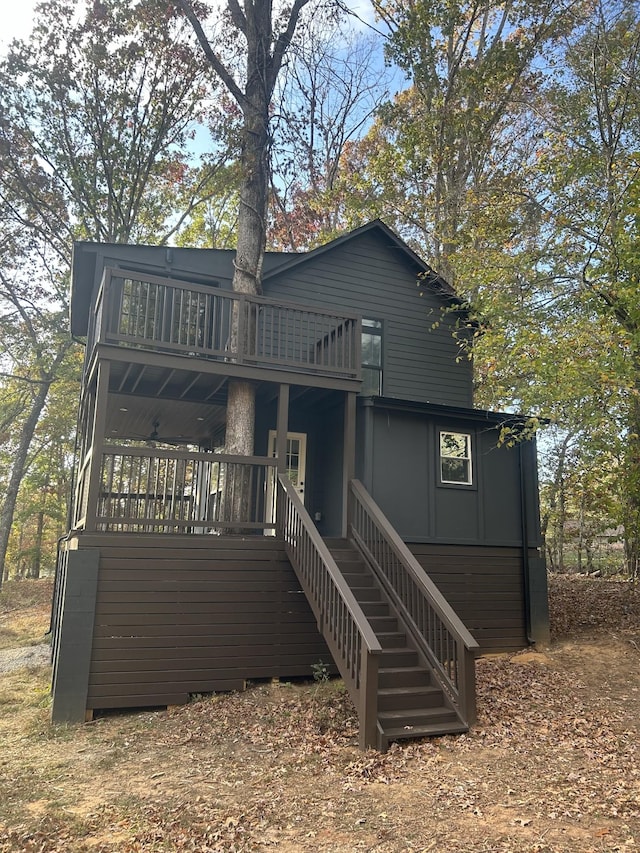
(534,568)
(282,427)
(348,457)
(368,711)
(97,443)
(468,685)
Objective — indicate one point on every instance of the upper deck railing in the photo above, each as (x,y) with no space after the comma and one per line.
(134,309)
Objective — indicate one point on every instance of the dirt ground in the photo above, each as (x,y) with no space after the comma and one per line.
(552,766)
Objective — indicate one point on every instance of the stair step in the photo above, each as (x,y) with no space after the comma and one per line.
(414,717)
(362,584)
(403,676)
(404,698)
(355,571)
(398,658)
(349,559)
(392,639)
(383,624)
(366,594)
(353,574)
(336,542)
(374,608)
(410,704)
(428,730)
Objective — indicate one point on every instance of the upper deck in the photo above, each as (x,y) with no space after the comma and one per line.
(226,332)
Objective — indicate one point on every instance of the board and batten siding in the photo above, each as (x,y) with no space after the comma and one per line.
(369,276)
(403,477)
(181,615)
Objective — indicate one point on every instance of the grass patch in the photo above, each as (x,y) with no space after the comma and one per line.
(21,594)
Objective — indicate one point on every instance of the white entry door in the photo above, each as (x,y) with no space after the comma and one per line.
(296,458)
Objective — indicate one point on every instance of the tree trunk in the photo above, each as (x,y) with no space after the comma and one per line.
(264,54)
(632,480)
(18,468)
(36,560)
(247,276)
(247,279)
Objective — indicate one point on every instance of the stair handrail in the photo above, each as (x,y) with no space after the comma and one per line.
(344,626)
(439,632)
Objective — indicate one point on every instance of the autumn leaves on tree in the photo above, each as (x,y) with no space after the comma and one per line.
(508,156)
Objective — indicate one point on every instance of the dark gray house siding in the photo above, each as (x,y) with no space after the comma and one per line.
(479,543)
(421,359)
(401,470)
(372,276)
(172,616)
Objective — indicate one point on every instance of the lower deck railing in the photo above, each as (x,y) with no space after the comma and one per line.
(439,634)
(157,490)
(347,632)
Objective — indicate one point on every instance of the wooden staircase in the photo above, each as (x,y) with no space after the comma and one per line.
(406,658)
(410,702)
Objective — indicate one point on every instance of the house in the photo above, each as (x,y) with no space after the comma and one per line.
(381,524)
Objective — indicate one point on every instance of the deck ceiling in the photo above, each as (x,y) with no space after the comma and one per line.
(151,418)
(147,402)
(192,386)
(180,406)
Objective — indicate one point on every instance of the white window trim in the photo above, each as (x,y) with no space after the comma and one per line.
(468,458)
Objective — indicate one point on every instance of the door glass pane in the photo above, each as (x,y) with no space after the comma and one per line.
(293,460)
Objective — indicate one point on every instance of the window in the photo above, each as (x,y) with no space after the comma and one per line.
(371,357)
(455,458)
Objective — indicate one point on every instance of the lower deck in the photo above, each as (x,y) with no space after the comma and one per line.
(151,619)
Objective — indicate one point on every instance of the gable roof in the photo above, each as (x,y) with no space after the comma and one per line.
(220,264)
(428,275)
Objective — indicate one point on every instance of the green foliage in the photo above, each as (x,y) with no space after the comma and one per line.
(98,116)
(511,162)
(213,224)
(99,111)
(455,142)
(320,672)
(588,185)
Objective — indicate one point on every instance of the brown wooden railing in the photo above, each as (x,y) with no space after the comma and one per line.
(351,640)
(156,490)
(134,309)
(438,632)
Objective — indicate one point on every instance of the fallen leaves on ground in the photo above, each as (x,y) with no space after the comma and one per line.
(551,767)
(582,604)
